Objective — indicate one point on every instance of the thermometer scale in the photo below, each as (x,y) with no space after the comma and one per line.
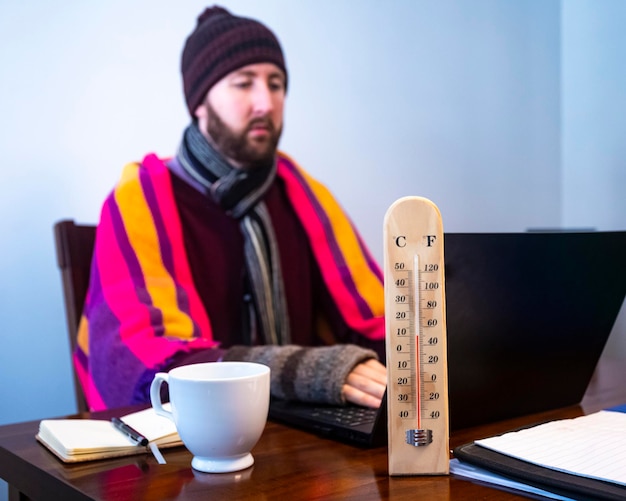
(415,324)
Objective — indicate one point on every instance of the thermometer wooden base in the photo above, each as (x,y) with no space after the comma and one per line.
(415,323)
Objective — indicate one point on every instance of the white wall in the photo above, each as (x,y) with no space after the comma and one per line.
(594,122)
(476,105)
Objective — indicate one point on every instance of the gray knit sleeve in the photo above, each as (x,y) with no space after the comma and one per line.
(303,373)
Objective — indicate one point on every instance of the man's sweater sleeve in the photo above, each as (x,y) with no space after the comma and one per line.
(306,374)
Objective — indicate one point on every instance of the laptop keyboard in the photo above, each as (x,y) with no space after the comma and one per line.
(347,416)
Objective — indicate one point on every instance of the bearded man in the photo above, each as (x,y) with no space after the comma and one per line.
(229,250)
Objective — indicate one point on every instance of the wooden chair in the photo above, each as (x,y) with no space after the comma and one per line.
(74,249)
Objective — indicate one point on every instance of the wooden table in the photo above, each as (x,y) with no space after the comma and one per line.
(290,465)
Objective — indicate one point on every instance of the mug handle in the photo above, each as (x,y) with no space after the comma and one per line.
(155,395)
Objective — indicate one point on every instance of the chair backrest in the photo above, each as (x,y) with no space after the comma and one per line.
(74,250)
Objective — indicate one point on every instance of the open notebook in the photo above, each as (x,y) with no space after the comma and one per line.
(528,315)
(76,440)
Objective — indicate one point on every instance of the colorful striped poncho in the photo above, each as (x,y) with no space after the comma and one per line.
(142,307)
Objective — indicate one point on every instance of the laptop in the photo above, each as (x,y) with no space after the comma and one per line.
(528,315)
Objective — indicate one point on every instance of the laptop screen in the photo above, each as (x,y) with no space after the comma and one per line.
(528,315)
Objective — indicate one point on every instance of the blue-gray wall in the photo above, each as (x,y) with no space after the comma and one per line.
(506,113)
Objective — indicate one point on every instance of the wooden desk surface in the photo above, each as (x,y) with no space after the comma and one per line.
(289,464)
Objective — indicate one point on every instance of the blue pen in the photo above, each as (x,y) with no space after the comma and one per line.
(130,432)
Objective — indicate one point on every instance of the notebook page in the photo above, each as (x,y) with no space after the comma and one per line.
(150,424)
(591,446)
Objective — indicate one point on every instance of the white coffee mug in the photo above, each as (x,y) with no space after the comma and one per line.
(220,410)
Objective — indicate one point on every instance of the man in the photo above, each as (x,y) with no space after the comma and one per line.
(229,250)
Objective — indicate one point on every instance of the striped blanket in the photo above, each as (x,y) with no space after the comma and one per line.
(142,307)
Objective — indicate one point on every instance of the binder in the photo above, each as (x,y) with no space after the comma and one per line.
(550,479)
(564,484)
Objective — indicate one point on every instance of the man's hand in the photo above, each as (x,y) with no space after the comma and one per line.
(366,384)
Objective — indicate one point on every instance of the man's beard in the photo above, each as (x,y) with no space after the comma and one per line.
(239,147)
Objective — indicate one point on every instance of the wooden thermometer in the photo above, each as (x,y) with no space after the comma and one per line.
(415,323)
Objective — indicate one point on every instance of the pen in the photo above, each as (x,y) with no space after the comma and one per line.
(127,430)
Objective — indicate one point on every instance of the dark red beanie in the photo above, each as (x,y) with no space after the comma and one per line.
(222,43)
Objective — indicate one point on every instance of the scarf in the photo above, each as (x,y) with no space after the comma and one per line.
(239,193)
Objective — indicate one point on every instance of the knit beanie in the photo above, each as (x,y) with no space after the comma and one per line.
(221,43)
